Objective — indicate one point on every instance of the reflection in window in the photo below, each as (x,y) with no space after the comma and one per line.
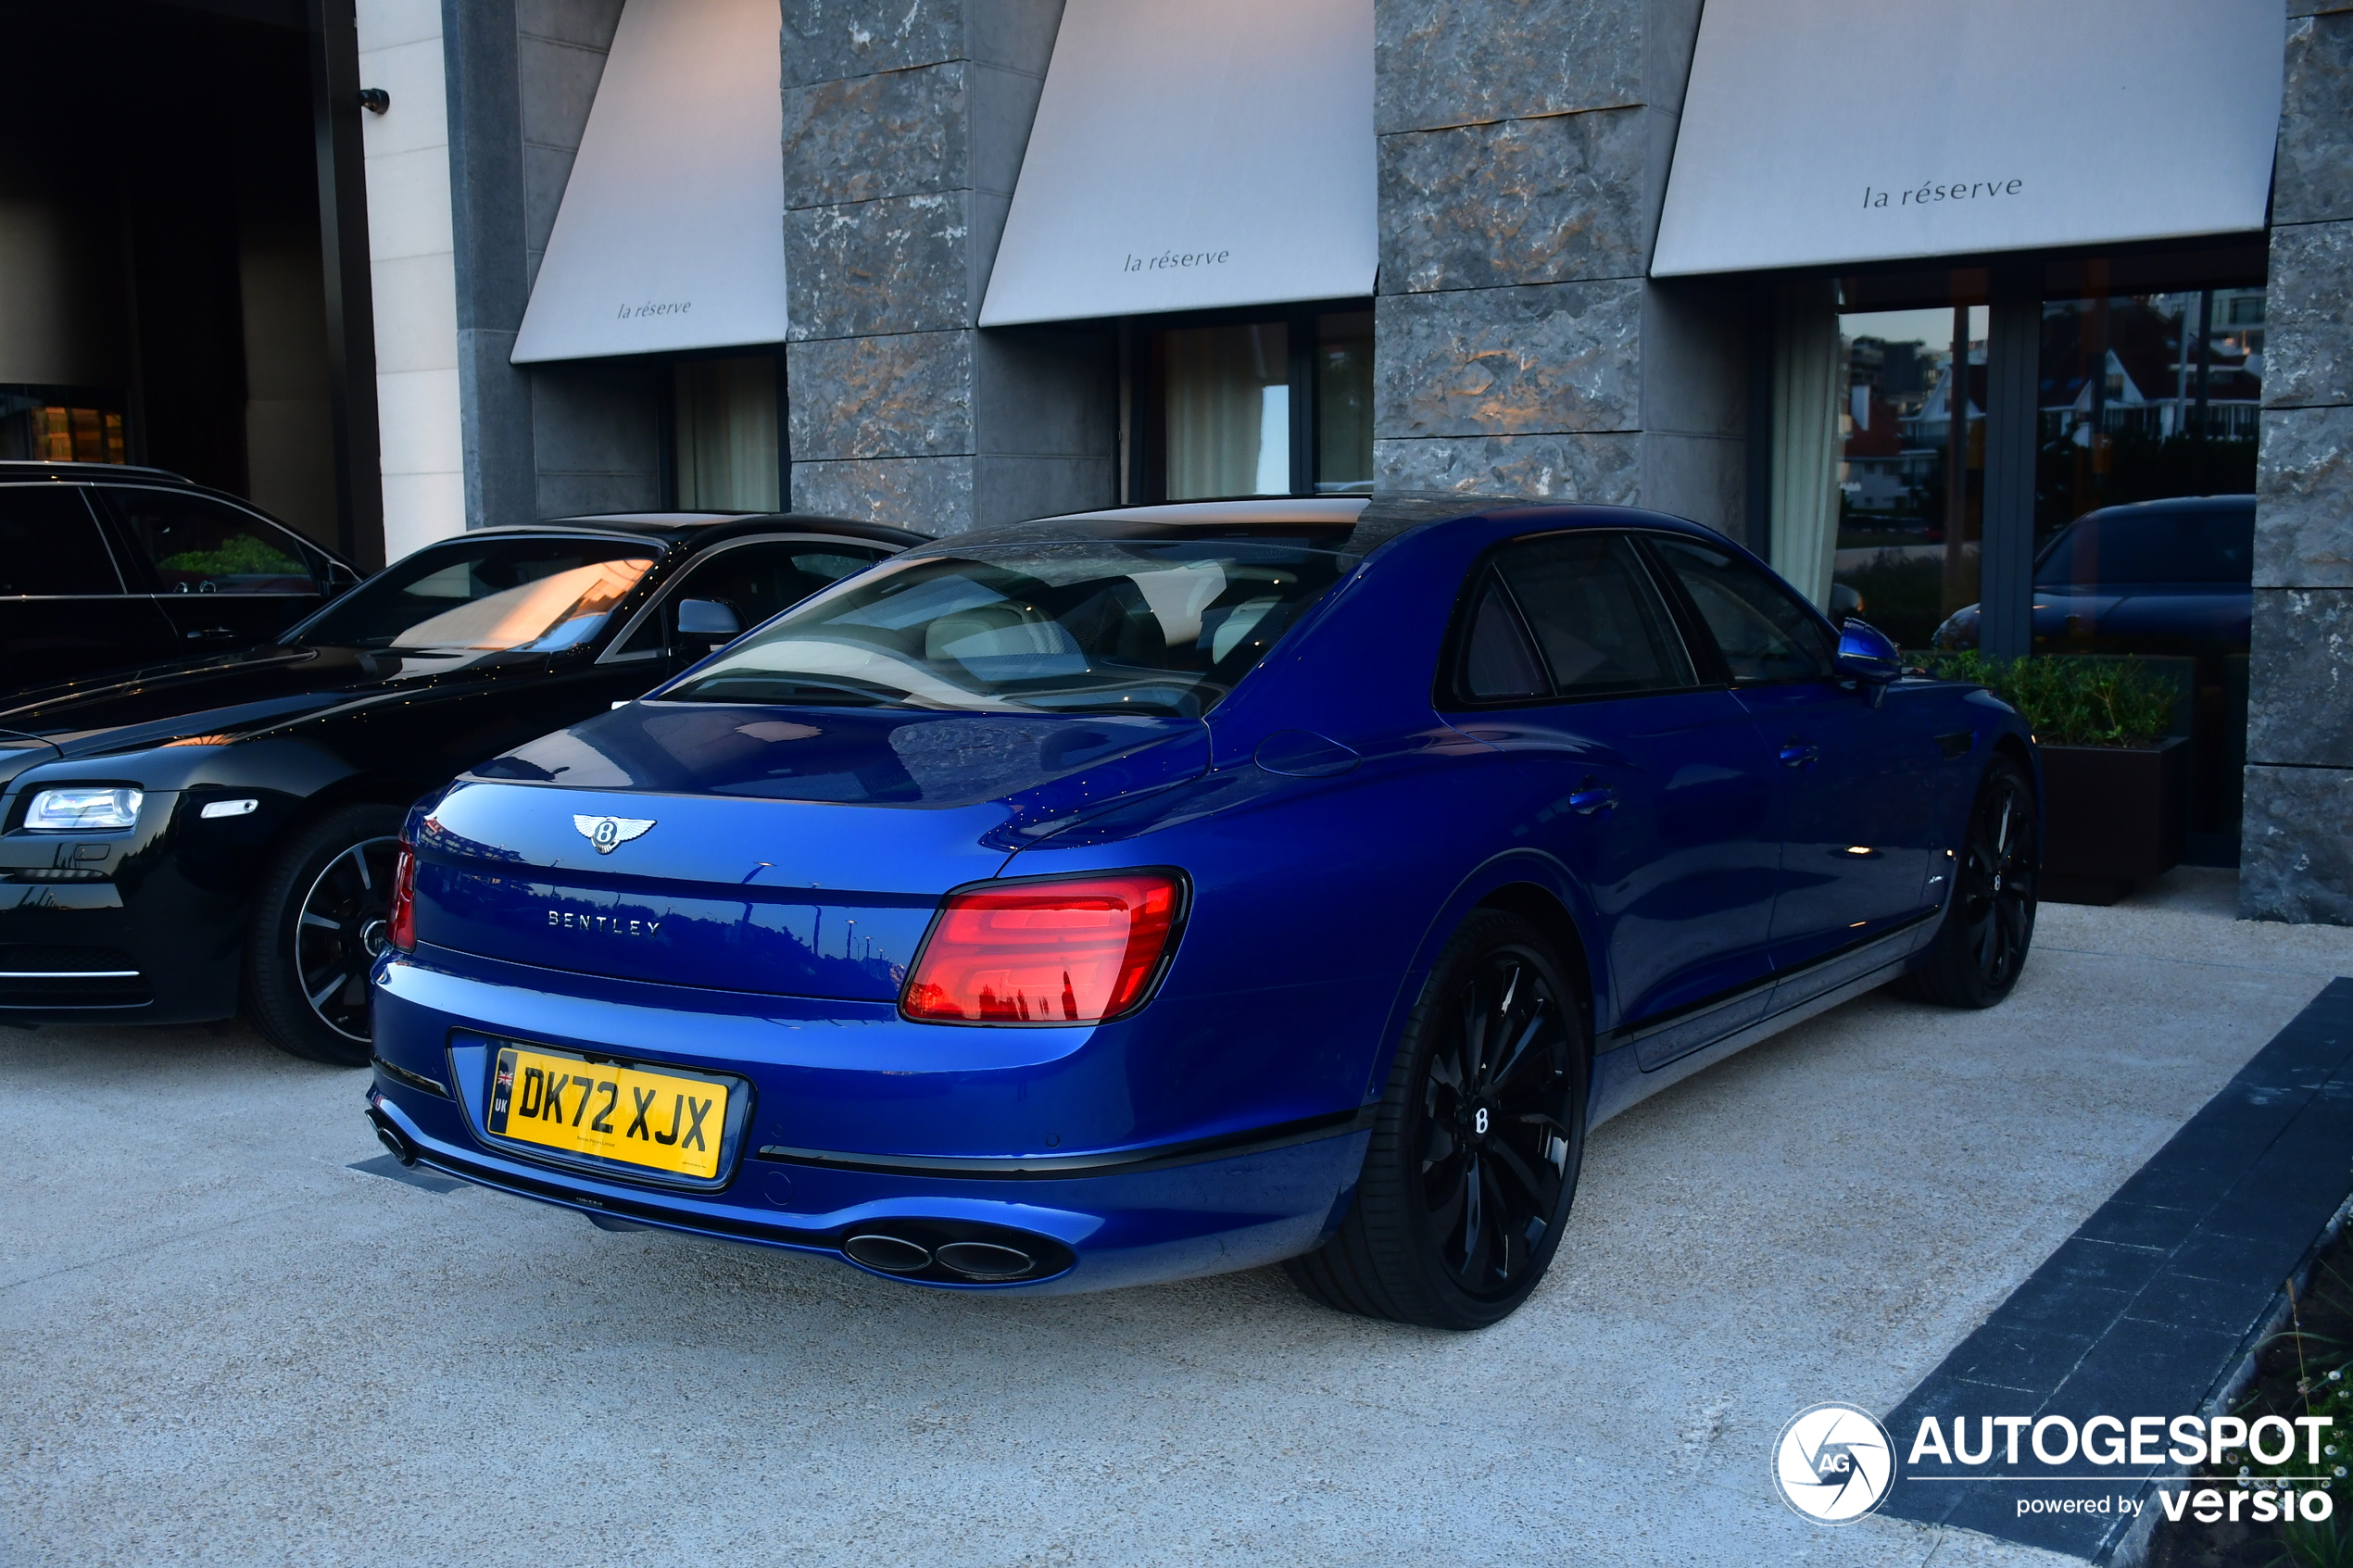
(1911,480)
(2144,509)
(1345,404)
(61,424)
(485,594)
(727,448)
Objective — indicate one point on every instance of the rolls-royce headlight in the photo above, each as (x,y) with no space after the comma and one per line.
(84,808)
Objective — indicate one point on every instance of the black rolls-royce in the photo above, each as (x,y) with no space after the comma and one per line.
(196,837)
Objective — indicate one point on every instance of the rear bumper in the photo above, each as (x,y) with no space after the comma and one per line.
(1109,1217)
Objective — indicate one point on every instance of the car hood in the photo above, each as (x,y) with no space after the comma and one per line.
(794,851)
(235,694)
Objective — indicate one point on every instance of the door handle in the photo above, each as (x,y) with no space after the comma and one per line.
(1799,754)
(210,632)
(1585,802)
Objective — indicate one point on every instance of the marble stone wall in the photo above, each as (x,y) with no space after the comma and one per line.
(542,440)
(1524,154)
(905,121)
(2297,850)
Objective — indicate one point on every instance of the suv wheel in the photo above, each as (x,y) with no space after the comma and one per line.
(317,929)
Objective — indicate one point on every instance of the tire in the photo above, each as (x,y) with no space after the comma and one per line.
(337,872)
(1463,1197)
(1989,921)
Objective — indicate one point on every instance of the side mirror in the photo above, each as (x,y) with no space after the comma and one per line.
(707,620)
(1865,654)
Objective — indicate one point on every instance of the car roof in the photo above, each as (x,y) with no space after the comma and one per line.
(703,528)
(1346,524)
(22,468)
(2175,506)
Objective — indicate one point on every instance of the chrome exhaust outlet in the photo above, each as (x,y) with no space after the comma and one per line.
(893,1255)
(955,1251)
(395,1142)
(984,1259)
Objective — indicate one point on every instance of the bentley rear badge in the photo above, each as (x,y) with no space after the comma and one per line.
(608,834)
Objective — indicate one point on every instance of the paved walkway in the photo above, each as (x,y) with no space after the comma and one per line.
(226,1345)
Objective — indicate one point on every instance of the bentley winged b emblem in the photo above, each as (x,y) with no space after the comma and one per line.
(608,834)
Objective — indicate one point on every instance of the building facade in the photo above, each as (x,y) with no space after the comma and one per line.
(1885,291)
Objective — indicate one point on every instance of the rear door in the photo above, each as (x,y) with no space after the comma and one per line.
(1857,804)
(1653,787)
(226,578)
(64,608)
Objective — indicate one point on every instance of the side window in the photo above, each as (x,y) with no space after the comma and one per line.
(1498,659)
(756,580)
(1602,626)
(198,545)
(50,544)
(1764,633)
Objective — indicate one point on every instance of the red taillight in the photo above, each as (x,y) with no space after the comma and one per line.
(1045,952)
(401,927)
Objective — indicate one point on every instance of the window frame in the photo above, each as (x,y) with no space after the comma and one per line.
(1449,695)
(316,562)
(681,566)
(1695,624)
(1144,479)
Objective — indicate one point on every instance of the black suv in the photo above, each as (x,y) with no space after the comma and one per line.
(103,566)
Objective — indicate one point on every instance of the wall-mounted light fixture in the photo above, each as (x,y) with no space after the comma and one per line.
(375,100)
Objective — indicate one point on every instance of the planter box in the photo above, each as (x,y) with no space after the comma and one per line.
(2112,818)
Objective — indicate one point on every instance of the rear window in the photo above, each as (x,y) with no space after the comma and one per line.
(1091,626)
(2208,545)
(540,594)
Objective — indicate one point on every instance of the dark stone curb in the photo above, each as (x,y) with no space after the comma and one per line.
(2150,1307)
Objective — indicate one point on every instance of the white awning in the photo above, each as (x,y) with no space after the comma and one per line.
(1190,154)
(1824,131)
(671,234)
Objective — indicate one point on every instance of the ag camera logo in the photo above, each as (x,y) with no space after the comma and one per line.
(1833,1463)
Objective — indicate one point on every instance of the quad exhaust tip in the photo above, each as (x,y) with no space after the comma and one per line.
(956,1252)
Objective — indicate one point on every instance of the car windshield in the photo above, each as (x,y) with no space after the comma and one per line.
(1094,626)
(488,595)
(2208,544)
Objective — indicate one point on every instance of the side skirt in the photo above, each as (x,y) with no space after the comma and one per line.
(1621,1081)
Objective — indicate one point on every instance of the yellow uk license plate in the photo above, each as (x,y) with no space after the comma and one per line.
(657,1120)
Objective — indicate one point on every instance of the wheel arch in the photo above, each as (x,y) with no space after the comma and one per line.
(1523,882)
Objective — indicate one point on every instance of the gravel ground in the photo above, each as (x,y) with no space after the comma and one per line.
(226,1345)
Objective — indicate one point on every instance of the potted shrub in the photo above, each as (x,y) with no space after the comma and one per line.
(2115,787)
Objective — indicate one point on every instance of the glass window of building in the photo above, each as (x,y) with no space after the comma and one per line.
(1910,474)
(1274,406)
(2144,509)
(728,447)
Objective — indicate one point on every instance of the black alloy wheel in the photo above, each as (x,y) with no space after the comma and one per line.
(317,929)
(1989,923)
(1475,1146)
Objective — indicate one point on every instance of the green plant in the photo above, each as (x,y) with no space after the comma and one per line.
(237,556)
(2073,700)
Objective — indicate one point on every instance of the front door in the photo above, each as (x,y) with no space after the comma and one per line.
(228,579)
(1653,789)
(1856,811)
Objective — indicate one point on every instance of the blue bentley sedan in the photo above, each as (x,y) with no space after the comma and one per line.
(1163,891)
